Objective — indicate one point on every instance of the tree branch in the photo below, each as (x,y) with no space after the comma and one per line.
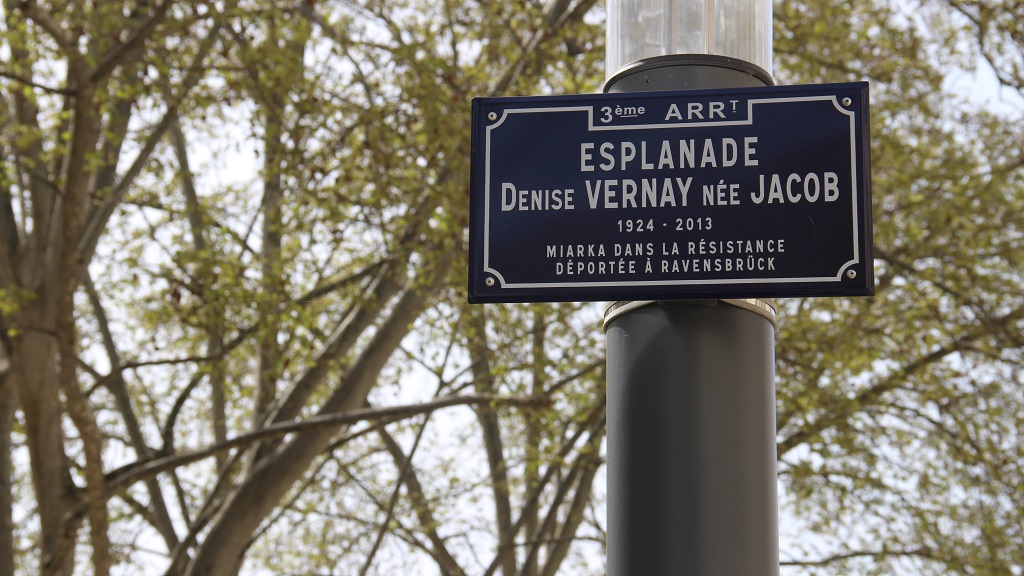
(117,55)
(867,397)
(404,469)
(871,396)
(581,475)
(29,82)
(922,552)
(593,424)
(50,26)
(449,566)
(557,15)
(161,518)
(98,218)
(590,461)
(483,375)
(125,476)
(214,321)
(384,284)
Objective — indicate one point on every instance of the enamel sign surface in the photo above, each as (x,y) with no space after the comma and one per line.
(669,195)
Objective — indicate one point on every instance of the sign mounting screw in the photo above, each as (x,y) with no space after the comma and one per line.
(489,281)
(492,116)
(847,101)
(851,274)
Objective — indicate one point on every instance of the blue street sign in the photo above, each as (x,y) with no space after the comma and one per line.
(669,195)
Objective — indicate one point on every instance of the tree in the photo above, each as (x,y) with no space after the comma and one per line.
(301,297)
(233,330)
(900,415)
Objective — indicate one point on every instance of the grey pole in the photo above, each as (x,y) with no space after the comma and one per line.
(691,406)
(691,439)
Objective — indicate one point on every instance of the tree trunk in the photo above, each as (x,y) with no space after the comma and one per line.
(35,380)
(8,404)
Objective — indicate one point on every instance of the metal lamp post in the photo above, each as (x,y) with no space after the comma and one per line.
(691,396)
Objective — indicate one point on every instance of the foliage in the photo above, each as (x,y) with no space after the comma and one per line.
(900,415)
(232,325)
